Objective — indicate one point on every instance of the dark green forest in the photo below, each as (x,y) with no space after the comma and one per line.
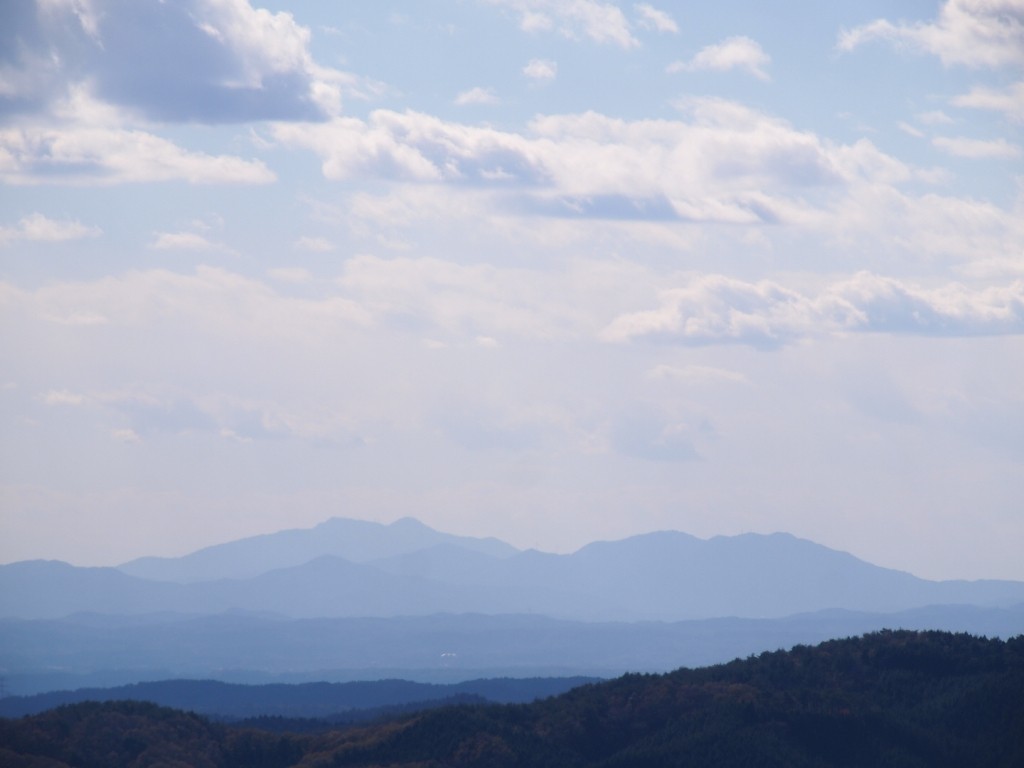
(887,699)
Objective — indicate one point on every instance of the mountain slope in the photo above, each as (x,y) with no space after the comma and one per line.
(50,588)
(671,576)
(929,699)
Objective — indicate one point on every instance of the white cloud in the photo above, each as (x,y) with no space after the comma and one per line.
(185,241)
(994,268)
(910,130)
(84,12)
(314,244)
(477,95)
(697,374)
(63,397)
(293,275)
(1008,100)
(541,69)
(85,143)
(977,148)
(734,53)
(211,302)
(265,42)
(652,18)
(974,33)
(444,301)
(719,162)
(410,145)
(440,297)
(85,154)
(78,319)
(30,75)
(935,117)
(38,228)
(143,411)
(715,309)
(126,435)
(232,61)
(725,163)
(599,21)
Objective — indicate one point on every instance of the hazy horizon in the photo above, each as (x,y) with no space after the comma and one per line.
(548,271)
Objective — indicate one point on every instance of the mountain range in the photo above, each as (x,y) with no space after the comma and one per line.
(348,568)
(353,600)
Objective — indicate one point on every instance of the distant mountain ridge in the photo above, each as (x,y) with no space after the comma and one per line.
(348,568)
(104,651)
(211,697)
(354,540)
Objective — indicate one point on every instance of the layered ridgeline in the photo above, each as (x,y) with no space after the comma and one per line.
(333,702)
(906,699)
(352,600)
(348,568)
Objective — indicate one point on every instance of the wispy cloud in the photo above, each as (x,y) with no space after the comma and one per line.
(910,130)
(126,435)
(960,146)
(293,275)
(541,69)
(477,95)
(314,244)
(935,117)
(1008,100)
(186,241)
(653,18)
(63,397)
(734,53)
(697,374)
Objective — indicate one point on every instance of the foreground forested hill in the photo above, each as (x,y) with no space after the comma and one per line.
(886,699)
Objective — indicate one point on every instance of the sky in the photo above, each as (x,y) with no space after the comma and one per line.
(548,270)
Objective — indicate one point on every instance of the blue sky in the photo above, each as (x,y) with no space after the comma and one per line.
(549,270)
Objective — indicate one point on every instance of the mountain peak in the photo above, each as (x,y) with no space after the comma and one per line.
(357,541)
(410,523)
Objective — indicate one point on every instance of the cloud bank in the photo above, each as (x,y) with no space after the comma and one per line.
(973,33)
(714,309)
